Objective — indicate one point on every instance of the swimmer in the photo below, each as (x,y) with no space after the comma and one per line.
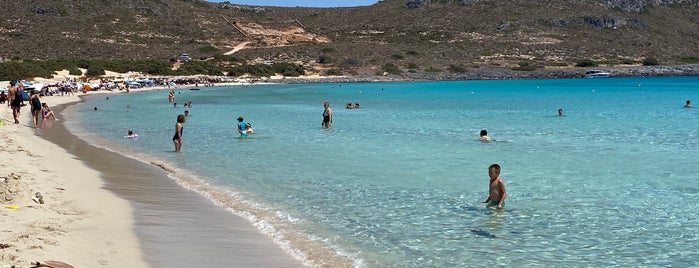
(688,104)
(484,136)
(560,112)
(131,135)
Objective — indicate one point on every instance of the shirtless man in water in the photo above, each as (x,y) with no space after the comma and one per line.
(497,188)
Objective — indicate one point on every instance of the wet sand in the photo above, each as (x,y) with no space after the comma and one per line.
(176,227)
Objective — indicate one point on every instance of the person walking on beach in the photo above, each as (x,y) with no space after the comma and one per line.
(497,192)
(36,107)
(15,101)
(177,138)
(327,115)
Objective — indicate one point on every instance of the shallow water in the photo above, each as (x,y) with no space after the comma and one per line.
(400,181)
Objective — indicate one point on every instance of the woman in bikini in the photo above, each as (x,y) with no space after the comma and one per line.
(46,112)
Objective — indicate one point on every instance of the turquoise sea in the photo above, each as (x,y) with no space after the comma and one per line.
(400,181)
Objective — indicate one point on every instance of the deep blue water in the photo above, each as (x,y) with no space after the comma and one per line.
(400,181)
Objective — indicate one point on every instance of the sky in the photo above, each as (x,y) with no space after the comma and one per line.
(302,3)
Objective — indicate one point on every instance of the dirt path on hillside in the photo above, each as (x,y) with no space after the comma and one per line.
(236,48)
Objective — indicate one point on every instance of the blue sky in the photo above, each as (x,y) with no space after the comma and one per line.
(302,3)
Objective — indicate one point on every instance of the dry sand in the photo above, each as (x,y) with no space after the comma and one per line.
(104,210)
(73,225)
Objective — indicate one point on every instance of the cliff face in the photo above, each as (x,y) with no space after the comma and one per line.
(427,35)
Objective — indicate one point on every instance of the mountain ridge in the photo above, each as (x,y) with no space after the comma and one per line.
(391,36)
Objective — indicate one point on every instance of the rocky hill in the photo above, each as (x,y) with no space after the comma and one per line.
(393,36)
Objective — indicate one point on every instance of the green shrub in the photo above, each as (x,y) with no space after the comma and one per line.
(288,69)
(457,68)
(397,56)
(328,50)
(525,66)
(689,59)
(585,63)
(93,71)
(391,69)
(75,71)
(324,59)
(650,61)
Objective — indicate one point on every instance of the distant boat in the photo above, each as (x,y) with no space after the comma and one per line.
(196,88)
(596,74)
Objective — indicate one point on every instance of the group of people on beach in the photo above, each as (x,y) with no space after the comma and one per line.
(15,100)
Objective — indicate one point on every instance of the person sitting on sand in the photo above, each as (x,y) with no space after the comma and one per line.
(484,136)
(46,112)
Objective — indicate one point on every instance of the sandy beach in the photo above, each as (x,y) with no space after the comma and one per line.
(72,225)
(101,209)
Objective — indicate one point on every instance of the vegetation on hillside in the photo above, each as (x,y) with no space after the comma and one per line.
(15,70)
(391,36)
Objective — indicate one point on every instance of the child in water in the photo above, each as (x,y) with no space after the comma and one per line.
(497,192)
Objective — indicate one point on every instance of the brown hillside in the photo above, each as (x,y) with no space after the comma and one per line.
(437,35)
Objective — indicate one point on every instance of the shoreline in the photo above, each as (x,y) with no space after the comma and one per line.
(502,74)
(122,218)
(72,225)
(114,211)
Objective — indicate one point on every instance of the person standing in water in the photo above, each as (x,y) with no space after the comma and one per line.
(244,128)
(496,192)
(327,116)
(688,104)
(177,138)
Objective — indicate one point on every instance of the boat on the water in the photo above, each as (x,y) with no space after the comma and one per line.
(596,74)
